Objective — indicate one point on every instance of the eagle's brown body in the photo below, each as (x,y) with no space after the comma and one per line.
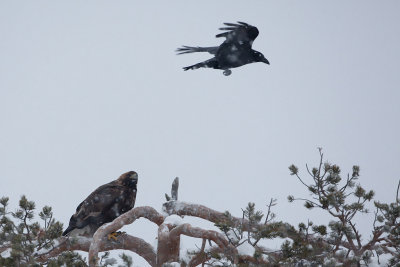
(104,205)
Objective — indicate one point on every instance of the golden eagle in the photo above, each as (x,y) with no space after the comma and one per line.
(103,205)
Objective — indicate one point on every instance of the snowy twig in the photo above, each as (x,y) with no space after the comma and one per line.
(174,189)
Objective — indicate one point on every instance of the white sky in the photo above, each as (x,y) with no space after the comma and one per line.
(92,89)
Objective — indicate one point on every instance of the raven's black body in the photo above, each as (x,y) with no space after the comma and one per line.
(234,52)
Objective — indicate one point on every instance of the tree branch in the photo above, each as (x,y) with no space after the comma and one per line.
(4,248)
(200,257)
(188,230)
(183,208)
(127,218)
(126,242)
(218,238)
(174,189)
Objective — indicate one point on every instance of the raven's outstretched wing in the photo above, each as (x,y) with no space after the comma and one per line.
(241,33)
(211,63)
(190,49)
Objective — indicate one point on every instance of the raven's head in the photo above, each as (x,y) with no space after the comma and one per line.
(129,179)
(258,57)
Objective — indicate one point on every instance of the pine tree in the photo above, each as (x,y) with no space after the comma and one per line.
(26,242)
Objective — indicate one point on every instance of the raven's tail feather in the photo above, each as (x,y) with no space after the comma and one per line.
(191,49)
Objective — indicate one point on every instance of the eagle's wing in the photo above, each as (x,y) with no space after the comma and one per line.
(241,33)
(103,198)
(96,208)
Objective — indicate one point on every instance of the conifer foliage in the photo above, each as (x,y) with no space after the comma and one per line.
(240,241)
(22,239)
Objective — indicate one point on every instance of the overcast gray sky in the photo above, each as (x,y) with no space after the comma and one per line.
(92,89)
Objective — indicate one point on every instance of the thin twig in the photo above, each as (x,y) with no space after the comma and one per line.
(298,177)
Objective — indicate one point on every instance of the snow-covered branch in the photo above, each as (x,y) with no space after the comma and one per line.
(127,218)
(188,209)
(235,243)
(125,242)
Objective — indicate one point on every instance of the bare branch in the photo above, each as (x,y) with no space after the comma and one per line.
(126,242)
(245,259)
(188,230)
(269,213)
(298,177)
(174,189)
(200,257)
(218,238)
(167,249)
(200,211)
(358,237)
(4,248)
(127,218)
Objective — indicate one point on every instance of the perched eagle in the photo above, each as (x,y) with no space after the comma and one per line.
(234,52)
(103,205)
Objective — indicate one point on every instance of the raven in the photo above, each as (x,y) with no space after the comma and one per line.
(234,52)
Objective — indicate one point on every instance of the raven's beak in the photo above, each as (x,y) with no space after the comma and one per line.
(265,61)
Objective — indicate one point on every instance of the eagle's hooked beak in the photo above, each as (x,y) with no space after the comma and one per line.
(133,179)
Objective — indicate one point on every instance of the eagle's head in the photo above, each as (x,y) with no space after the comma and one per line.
(129,179)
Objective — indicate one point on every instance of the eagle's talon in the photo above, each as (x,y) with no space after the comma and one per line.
(114,235)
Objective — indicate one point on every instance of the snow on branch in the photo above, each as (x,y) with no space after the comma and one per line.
(218,238)
(174,189)
(235,243)
(127,218)
(237,240)
(126,242)
(200,211)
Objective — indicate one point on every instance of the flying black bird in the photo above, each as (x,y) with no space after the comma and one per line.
(103,205)
(234,52)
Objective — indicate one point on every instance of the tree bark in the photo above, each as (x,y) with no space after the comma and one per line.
(127,218)
(126,242)
(169,236)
